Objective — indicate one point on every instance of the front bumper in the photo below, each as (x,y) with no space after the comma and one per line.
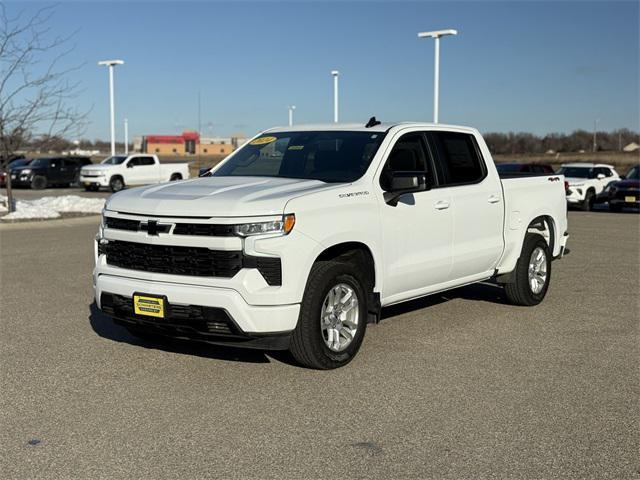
(97,180)
(575,194)
(250,320)
(21,180)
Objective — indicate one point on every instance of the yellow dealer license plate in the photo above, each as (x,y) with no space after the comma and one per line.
(148,306)
(630,199)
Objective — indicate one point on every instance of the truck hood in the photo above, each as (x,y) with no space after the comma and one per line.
(215,197)
(576,180)
(97,166)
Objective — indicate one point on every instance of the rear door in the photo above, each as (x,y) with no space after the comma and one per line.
(417,232)
(476,202)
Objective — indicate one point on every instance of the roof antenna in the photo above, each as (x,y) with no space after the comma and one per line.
(372,122)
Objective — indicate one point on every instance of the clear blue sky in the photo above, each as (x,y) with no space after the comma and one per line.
(515,66)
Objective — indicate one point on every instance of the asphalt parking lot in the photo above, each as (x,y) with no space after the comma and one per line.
(459,385)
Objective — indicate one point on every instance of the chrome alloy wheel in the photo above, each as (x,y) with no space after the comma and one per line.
(339,317)
(537,270)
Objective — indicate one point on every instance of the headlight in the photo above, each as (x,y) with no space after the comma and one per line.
(284,226)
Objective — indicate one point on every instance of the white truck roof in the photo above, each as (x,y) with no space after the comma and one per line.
(360,127)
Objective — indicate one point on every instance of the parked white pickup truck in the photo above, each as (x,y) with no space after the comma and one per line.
(297,239)
(119,171)
(586,181)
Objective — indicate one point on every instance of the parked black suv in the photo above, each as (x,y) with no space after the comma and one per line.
(53,171)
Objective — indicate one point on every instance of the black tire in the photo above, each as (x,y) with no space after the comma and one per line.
(38,182)
(519,292)
(587,203)
(116,184)
(175,177)
(616,207)
(307,344)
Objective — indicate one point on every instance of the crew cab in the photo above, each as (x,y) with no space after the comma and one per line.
(119,171)
(45,172)
(299,238)
(585,181)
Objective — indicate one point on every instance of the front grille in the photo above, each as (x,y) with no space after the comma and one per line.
(204,229)
(190,320)
(189,261)
(122,224)
(173,260)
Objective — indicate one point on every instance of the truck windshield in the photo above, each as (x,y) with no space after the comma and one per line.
(576,172)
(115,160)
(327,156)
(634,174)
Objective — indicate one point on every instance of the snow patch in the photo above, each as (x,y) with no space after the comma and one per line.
(51,207)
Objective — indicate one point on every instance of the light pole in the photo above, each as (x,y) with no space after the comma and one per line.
(126,136)
(335,74)
(436,34)
(291,109)
(111,64)
(595,134)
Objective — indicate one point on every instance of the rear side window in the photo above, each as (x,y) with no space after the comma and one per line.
(458,158)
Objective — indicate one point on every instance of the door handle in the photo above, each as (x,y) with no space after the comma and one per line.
(442,205)
(494,199)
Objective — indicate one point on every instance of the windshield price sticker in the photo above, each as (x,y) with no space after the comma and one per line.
(263,140)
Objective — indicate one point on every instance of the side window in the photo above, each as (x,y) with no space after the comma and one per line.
(134,162)
(607,172)
(146,161)
(458,157)
(409,154)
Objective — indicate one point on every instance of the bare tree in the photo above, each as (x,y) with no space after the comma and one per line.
(36,96)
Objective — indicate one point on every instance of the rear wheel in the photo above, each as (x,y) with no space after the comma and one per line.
(38,182)
(116,184)
(333,316)
(532,273)
(587,203)
(175,177)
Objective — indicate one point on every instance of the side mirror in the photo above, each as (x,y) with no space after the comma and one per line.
(402,183)
(129,165)
(600,176)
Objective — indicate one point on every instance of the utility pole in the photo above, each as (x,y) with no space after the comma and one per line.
(595,134)
(291,109)
(436,34)
(335,74)
(111,64)
(126,137)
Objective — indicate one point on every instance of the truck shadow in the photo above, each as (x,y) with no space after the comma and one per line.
(105,327)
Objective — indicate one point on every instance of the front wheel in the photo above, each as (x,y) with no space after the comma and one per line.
(587,203)
(333,316)
(116,184)
(39,182)
(532,273)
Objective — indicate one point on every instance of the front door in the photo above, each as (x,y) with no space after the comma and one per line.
(142,171)
(417,232)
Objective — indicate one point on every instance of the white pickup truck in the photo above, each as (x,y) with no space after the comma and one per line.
(299,238)
(119,171)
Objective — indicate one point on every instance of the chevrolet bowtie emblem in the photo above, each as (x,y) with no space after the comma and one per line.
(153,228)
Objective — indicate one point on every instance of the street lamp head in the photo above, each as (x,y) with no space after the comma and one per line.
(437,33)
(292,107)
(111,62)
(335,73)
